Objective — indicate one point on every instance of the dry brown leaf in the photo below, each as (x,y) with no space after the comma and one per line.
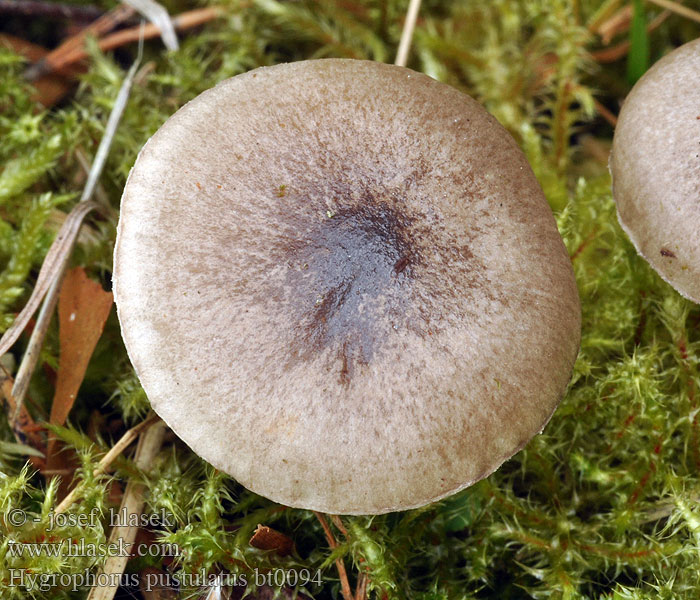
(266,538)
(83,308)
(52,87)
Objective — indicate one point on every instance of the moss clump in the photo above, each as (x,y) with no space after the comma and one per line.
(603,504)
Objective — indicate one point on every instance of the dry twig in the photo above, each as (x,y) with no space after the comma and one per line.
(186,20)
(679,9)
(104,24)
(52,270)
(605,113)
(608,55)
(407,33)
(109,458)
(149,445)
(617,23)
(339,524)
(340,565)
(361,589)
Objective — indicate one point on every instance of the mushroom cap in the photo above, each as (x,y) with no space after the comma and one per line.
(655,166)
(340,283)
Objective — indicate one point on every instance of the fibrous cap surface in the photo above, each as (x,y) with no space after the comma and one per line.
(655,165)
(340,282)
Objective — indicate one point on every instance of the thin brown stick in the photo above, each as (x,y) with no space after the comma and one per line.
(183,21)
(36,340)
(49,280)
(361,589)
(679,9)
(339,524)
(342,573)
(54,259)
(605,113)
(616,24)
(107,460)
(608,55)
(150,442)
(606,11)
(104,24)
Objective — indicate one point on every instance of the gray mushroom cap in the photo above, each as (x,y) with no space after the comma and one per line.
(655,166)
(339,282)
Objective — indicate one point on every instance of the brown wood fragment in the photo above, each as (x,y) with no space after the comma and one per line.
(149,445)
(50,88)
(616,24)
(54,59)
(65,56)
(266,538)
(613,53)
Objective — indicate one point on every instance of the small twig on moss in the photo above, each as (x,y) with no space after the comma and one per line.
(339,524)
(679,9)
(186,20)
(342,573)
(52,270)
(605,113)
(407,33)
(100,193)
(616,24)
(109,458)
(614,53)
(361,589)
(150,442)
(101,26)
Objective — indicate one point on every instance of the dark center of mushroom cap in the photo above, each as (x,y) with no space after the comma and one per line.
(352,272)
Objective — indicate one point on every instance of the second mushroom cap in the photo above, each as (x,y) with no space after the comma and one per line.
(655,166)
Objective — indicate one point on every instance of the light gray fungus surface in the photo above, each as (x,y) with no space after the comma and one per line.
(340,283)
(655,166)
